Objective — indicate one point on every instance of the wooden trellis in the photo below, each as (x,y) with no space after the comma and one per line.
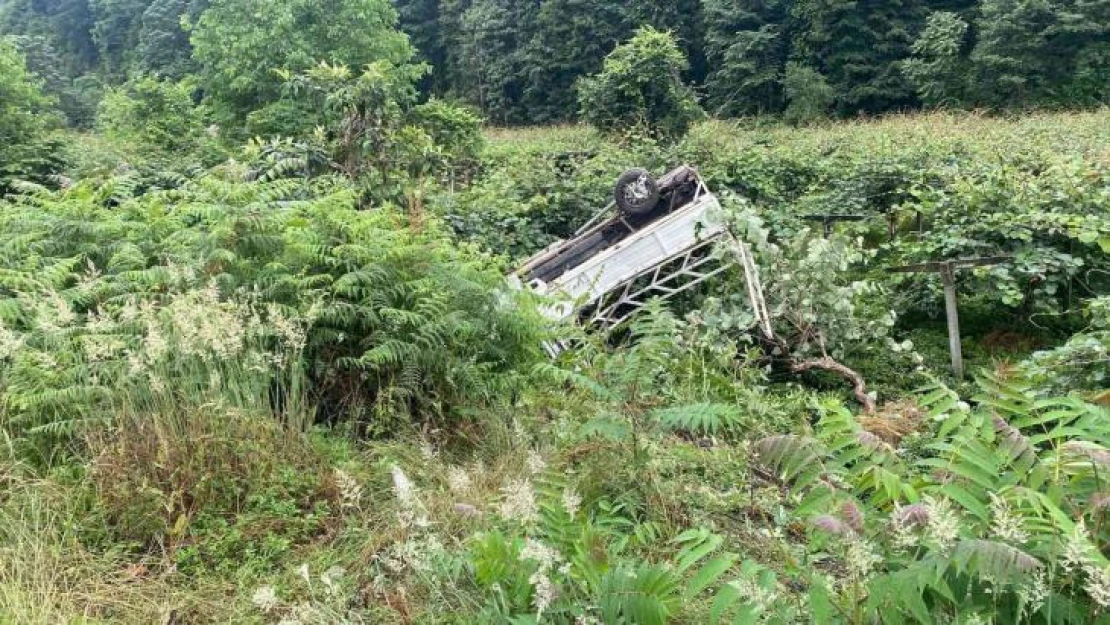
(947,270)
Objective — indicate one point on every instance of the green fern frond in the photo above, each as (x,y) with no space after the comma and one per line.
(644,594)
(795,459)
(702,418)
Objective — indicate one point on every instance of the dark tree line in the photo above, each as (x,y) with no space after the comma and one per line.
(519,60)
(78,47)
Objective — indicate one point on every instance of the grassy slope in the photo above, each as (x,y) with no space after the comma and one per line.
(56,566)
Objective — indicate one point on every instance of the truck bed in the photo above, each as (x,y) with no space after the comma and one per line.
(676,233)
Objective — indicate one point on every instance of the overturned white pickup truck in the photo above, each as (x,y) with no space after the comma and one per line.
(654,240)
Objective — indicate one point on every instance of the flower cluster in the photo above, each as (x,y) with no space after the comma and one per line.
(412,513)
(943,526)
(417,554)
(458,480)
(545,590)
(931,521)
(10,342)
(319,608)
(1033,591)
(905,522)
(535,463)
(572,501)
(265,599)
(861,558)
(1078,557)
(519,502)
(288,329)
(1005,526)
(755,593)
(350,491)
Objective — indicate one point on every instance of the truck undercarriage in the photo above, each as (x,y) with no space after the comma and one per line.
(654,240)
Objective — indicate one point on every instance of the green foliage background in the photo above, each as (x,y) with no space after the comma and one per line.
(259,361)
(519,63)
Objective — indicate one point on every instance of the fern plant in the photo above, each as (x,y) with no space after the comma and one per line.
(585,563)
(405,324)
(999,515)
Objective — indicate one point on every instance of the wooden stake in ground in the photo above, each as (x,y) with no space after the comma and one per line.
(755,288)
(947,270)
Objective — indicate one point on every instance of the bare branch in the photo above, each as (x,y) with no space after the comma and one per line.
(859,386)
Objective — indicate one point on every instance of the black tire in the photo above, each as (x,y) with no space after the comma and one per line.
(637,193)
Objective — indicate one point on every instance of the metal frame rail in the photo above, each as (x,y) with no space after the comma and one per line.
(673,275)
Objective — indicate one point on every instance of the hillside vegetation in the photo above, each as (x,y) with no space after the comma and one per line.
(260,361)
(522,62)
(237,398)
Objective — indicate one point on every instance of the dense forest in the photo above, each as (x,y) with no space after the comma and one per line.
(518,61)
(266,355)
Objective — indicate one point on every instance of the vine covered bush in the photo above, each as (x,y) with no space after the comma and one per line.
(641,86)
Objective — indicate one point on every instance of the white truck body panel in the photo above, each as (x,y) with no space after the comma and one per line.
(670,237)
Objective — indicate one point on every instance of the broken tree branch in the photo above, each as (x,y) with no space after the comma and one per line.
(826,363)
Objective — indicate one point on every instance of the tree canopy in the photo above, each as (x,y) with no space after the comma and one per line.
(240,46)
(641,84)
(521,62)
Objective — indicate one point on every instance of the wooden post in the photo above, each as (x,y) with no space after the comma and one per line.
(948,275)
(947,270)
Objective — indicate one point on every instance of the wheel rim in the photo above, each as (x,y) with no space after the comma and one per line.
(637,191)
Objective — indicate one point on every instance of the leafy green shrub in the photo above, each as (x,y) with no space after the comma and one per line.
(454,129)
(641,85)
(808,93)
(286,509)
(938,69)
(25,118)
(371,129)
(1082,363)
(402,321)
(234,45)
(148,114)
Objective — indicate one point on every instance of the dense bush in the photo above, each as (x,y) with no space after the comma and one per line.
(640,86)
(1082,364)
(149,114)
(375,133)
(25,118)
(240,43)
(401,321)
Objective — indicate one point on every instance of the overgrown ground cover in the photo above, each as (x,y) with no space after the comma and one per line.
(241,395)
